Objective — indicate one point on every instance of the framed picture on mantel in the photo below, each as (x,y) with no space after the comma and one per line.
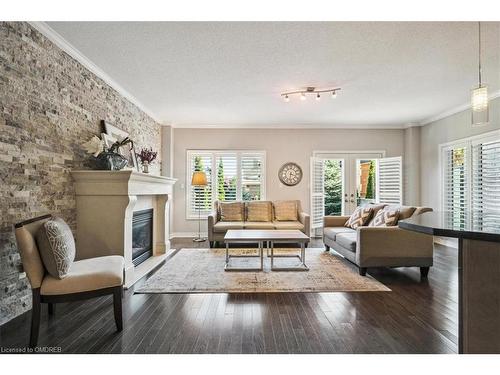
(116,134)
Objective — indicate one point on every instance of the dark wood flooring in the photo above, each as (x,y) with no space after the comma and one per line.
(415,317)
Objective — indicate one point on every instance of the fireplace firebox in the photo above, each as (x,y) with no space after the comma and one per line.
(142,236)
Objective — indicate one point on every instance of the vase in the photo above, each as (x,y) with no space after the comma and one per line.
(110,161)
(145,167)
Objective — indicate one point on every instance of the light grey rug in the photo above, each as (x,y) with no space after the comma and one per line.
(202,271)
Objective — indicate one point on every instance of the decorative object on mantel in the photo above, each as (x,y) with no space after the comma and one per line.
(105,153)
(146,156)
(290,174)
(479,98)
(113,134)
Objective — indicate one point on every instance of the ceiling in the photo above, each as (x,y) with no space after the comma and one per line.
(230,74)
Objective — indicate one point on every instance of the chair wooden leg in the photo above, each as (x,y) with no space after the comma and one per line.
(117,306)
(35,317)
(52,308)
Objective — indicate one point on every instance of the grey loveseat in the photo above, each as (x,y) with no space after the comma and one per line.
(370,246)
(275,216)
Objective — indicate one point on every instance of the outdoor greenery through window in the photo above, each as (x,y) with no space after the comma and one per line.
(231,176)
(333,187)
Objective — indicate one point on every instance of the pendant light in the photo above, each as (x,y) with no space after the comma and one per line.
(479,99)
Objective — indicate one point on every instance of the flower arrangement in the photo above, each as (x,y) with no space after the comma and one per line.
(147,156)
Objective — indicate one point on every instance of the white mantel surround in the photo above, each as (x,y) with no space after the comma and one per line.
(105,202)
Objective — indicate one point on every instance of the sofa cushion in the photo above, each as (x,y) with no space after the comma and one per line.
(259,225)
(285,210)
(331,232)
(347,240)
(85,275)
(422,210)
(57,247)
(288,225)
(404,211)
(231,211)
(223,226)
(259,211)
(360,217)
(385,218)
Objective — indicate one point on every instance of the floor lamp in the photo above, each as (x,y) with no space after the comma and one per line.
(199,179)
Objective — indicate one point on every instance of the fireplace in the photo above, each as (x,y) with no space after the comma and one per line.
(142,236)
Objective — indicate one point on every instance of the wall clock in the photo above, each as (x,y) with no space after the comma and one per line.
(290,174)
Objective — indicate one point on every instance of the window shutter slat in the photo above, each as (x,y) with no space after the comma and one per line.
(318,193)
(389,181)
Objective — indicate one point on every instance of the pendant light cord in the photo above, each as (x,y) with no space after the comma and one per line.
(479,51)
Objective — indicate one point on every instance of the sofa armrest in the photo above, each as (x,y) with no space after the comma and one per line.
(212,220)
(391,242)
(334,221)
(305,219)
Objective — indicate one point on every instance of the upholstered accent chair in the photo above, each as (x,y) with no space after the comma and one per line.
(380,246)
(86,278)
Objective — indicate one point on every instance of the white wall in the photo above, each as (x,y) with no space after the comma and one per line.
(449,129)
(281,146)
(411,165)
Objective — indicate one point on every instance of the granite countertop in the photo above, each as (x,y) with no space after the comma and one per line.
(484,226)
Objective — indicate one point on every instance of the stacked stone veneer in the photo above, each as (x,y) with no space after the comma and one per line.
(49,105)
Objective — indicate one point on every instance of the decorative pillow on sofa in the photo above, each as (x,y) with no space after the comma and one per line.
(285,210)
(385,218)
(259,211)
(231,211)
(360,217)
(57,247)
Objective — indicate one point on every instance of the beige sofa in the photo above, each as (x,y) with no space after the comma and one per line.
(380,246)
(270,218)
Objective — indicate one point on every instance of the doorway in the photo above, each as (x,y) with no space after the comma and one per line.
(340,182)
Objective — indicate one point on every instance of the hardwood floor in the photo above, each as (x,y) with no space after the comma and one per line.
(416,317)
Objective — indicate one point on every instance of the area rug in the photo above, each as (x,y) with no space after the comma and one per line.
(202,271)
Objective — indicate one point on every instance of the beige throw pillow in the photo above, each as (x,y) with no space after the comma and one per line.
(385,218)
(360,217)
(231,211)
(285,210)
(259,211)
(57,247)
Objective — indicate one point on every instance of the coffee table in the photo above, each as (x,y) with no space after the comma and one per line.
(270,237)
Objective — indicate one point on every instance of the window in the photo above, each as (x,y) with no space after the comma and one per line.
(470,182)
(231,176)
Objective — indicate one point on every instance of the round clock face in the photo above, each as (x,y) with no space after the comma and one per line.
(290,174)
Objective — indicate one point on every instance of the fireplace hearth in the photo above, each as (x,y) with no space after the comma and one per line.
(142,236)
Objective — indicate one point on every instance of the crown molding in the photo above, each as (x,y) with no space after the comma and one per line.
(67,47)
(286,126)
(455,110)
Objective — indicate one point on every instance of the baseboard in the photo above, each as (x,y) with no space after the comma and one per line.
(187,234)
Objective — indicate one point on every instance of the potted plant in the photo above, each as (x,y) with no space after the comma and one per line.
(146,156)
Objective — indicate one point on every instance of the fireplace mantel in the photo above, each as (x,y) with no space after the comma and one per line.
(105,203)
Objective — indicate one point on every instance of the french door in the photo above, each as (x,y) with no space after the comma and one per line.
(340,182)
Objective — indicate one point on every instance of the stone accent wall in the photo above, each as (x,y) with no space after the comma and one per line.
(49,105)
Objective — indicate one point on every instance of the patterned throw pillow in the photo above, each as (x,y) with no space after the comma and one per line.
(359,217)
(231,211)
(385,218)
(259,211)
(285,210)
(57,247)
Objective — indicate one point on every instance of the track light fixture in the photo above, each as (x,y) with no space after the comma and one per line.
(309,90)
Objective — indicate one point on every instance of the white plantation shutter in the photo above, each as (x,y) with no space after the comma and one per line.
(226,177)
(231,175)
(389,180)
(252,187)
(456,183)
(317,193)
(485,203)
(199,197)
